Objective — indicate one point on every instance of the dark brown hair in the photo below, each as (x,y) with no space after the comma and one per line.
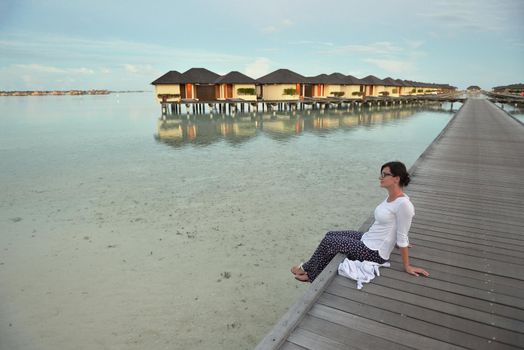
(398,169)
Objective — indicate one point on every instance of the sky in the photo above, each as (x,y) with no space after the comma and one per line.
(125,45)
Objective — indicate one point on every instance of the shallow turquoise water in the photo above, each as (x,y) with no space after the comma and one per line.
(515,111)
(153,233)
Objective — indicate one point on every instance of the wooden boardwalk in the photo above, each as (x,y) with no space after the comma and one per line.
(468,232)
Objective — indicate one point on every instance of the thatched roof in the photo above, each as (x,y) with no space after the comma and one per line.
(282,76)
(333,78)
(372,80)
(171,77)
(351,80)
(200,76)
(319,79)
(235,77)
(339,78)
(412,83)
(286,76)
(391,82)
(519,86)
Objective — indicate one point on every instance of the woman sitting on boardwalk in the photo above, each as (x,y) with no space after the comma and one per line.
(392,222)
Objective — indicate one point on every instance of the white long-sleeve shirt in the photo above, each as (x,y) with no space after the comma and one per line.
(392,223)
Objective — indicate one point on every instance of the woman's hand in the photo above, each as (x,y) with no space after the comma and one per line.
(412,270)
(416,271)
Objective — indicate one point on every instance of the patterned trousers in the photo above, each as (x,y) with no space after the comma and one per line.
(346,242)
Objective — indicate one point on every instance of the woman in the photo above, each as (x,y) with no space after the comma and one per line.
(392,222)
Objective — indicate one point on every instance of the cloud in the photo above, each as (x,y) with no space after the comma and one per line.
(277,27)
(38,68)
(469,16)
(140,69)
(269,29)
(518,43)
(391,57)
(414,44)
(44,77)
(53,48)
(45,61)
(313,43)
(258,68)
(382,48)
(391,65)
(460,22)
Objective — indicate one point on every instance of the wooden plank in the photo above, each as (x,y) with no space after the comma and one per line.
(440,285)
(508,285)
(471,214)
(420,224)
(441,235)
(423,239)
(437,317)
(342,299)
(444,277)
(481,251)
(469,262)
(290,346)
(425,287)
(452,307)
(443,206)
(346,335)
(493,222)
(441,196)
(482,225)
(314,341)
(495,229)
(378,329)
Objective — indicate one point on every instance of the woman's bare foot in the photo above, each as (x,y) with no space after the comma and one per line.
(302,278)
(298,270)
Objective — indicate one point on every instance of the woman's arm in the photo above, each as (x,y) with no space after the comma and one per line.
(412,270)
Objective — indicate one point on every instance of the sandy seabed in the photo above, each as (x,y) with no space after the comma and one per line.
(111,246)
(90,272)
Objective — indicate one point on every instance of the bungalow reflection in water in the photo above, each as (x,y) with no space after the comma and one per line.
(204,131)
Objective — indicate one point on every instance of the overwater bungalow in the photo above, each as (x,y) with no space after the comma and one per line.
(424,88)
(324,85)
(515,89)
(420,88)
(235,85)
(281,85)
(444,88)
(403,88)
(374,86)
(447,89)
(392,87)
(193,84)
(316,86)
(199,84)
(410,87)
(346,86)
(167,87)
(199,88)
(354,87)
